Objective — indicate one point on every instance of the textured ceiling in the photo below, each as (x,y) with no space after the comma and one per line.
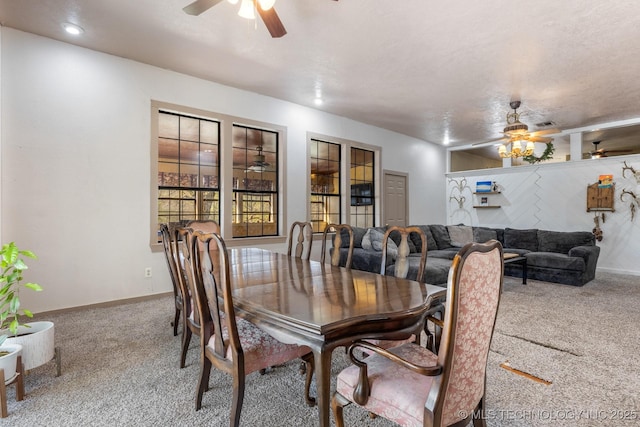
(434,70)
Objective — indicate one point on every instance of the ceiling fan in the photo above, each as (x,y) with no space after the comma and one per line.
(600,153)
(259,164)
(264,7)
(515,130)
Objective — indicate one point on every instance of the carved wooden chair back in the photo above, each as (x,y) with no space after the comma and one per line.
(401,269)
(411,384)
(303,231)
(231,344)
(204,225)
(172,260)
(337,244)
(191,318)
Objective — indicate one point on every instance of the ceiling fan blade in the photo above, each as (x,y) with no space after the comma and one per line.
(545,132)
(489,141)
(272,21)
(200,6)
(540,138)
(617,151)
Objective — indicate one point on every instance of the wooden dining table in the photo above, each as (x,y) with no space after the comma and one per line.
(323,307)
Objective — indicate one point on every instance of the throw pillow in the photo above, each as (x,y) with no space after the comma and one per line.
(460,235)
(441,236)
(482,235)
(366,240)
(375,237)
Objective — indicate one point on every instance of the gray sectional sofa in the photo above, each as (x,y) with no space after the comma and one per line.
(554,256)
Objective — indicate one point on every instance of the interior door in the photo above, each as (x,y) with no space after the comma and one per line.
(395,199)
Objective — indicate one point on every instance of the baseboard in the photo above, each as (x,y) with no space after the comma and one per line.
(103,304)
(617,271)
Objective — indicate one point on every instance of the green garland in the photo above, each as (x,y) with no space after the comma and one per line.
(545,156)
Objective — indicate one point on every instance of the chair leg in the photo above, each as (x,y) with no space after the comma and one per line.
(176,320)
(186,339)
(203,382)
(309,366)
(238,398)
(479,415)
(338,402)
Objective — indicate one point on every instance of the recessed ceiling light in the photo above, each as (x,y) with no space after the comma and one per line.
(317,101)
(72,29)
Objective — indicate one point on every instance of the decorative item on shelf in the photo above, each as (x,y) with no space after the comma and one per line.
(484,186)
(484,201)
(605,181)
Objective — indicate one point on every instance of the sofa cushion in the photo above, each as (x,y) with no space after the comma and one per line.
(483,234)
(373,240)
(460,235)
(563,241)
(521,239)
(358,234)
(555,260)
(436,271)
(397,238)
(443,253)
(417,241)
(441,236)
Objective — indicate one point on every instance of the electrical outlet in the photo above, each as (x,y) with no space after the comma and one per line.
(147,272)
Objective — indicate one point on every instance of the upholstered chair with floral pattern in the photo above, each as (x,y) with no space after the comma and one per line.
(412,386)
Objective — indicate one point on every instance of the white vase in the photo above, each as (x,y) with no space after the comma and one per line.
(38,345)
(8,362)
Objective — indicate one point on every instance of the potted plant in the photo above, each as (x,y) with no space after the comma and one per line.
(11,268)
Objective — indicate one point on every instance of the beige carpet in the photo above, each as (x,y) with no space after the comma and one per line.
(120,367)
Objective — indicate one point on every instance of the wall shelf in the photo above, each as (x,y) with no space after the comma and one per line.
(487,192)
(487,207)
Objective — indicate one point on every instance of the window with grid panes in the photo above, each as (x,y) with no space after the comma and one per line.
(255,182)
(362,211)
(188,168)
(325,184)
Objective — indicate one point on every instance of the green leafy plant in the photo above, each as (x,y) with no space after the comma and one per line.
(10,285)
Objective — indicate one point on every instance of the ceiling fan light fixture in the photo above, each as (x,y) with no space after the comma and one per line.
(247,9)
(266,4)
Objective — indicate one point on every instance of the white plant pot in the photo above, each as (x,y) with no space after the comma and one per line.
(38,345)
(8,362)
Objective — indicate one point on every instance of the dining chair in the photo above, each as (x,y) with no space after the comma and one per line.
(204,225)
(169,253)
(304,239)
(337,244)
(402,269)
(227,342)
(412,386)
(185,261)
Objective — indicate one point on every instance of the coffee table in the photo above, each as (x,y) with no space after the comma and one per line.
(511,258)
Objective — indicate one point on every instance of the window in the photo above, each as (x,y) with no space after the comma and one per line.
(335,166)
(211,166)
(188,168)
(362,170)
(255,182)
(325,184)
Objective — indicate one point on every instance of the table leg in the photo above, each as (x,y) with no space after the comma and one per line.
(323,383)
(524,272)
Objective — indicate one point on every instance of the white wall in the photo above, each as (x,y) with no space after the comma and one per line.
(75,150)
(554,197)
